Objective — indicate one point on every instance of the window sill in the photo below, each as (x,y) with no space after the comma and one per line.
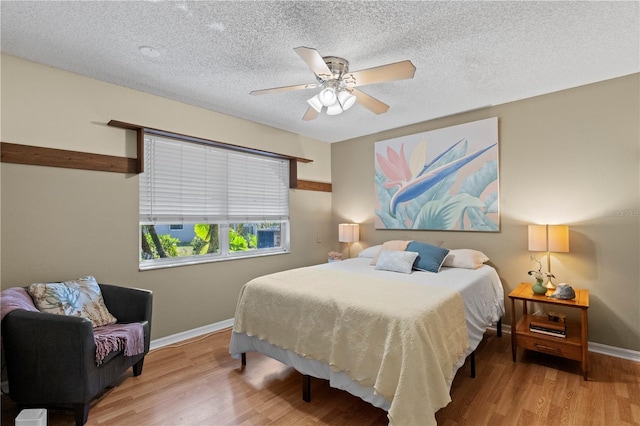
(187,261)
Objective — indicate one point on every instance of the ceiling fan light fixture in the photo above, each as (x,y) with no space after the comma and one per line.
(334,109)
(327,97)
(315,103)
(346,99)
(337,84)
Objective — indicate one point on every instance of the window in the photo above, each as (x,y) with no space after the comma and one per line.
(200,203)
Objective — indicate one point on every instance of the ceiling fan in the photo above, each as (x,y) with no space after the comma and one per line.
(339,91)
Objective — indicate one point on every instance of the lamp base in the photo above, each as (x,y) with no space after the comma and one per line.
(551,288)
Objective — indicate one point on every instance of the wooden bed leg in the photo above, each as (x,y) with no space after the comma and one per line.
(472,361)
(306,388)
(243,357)
(499,327)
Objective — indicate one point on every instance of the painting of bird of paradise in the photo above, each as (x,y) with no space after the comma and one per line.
(444,179)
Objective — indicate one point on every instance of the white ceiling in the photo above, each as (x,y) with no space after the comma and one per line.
(212,54)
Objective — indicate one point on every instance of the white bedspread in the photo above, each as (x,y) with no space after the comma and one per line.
(402,339)
(480,289)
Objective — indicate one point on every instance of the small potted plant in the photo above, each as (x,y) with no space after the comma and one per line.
(538,287)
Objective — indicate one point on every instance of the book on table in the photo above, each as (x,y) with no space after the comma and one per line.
(548,332)
(543,325)
(546,324)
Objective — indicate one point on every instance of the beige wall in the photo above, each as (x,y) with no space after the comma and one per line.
(571,157)
(59,224)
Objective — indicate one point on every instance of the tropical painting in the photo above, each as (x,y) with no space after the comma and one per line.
(445,179)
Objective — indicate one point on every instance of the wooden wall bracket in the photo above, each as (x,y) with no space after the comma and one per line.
(310,185)
(52,157)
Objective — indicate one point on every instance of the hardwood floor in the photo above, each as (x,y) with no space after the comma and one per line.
(198,383)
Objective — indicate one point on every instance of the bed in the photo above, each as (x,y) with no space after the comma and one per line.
(393,339)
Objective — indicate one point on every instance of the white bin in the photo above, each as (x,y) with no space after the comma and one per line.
(32,417)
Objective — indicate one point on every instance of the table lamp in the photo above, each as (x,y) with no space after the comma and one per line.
(549,238)
(348,233)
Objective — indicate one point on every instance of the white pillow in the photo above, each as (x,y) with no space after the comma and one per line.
(465,258)
(396,261)
(370,252)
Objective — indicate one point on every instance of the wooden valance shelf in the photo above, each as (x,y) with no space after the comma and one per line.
(181,136)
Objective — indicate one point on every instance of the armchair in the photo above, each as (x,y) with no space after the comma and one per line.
(50,358)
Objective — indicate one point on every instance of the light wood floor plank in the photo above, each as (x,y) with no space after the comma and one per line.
(198,383)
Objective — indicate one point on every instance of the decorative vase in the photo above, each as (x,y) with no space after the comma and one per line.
(538,288)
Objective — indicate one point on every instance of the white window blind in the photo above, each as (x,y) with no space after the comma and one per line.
(258,188)
(189,182)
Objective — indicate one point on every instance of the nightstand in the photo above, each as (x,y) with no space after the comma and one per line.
(573,346)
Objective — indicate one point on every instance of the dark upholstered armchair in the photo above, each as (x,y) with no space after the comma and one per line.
(51,359)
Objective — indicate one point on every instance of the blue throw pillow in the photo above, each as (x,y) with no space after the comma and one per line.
(430,258)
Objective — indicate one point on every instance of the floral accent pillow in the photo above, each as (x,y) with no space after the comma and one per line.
(78,298)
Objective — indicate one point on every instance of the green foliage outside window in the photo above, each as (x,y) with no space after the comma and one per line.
(157,246)
(206,240)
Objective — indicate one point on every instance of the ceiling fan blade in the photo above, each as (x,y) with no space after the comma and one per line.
(311,114)
(284,89)
(369,102)
(314,61)
(396,71)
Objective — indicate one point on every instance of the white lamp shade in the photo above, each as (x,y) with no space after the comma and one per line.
(553,238)
(346,99)
(327,97)
(558,236)
(334,109)
(537,238)
(315,103)
(348,232)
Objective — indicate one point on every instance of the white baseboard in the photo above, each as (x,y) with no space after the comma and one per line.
(189,334)
(613,351)
(597,348)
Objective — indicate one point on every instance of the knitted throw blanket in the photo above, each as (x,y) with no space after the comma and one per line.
(15,298)
(115,337)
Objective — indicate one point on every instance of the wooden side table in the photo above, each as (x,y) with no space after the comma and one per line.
(574,346)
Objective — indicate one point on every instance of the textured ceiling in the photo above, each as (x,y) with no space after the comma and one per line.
(212,54)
